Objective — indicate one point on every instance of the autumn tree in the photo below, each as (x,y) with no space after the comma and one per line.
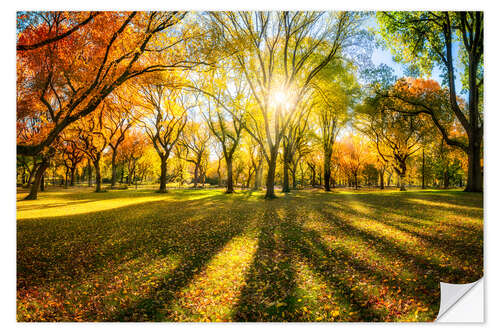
(66,69)
(196,141)
(335,89)
(225,111)
(72,157)
(396,135)
(89,137)
(118,120)
(428,39)
(279,54)
(355,155)
(165,113)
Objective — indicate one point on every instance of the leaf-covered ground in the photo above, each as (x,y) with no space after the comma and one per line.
(201,255)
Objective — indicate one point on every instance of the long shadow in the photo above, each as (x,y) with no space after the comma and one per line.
(332,266)
(83,249)
(393,250)
(269,293)
(463,242)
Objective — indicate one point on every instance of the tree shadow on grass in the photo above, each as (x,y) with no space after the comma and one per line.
(464,241)
(332,266)
(93,243)
(269,293)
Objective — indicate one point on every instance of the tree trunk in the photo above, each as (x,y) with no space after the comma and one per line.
(474,172)
(327,171)
(163,175)
(122,174)
(381,174)
(72,176)
(229,183)
(66,178)
(219,174)
(31,174)
(38,180)
(196,172)
(313,178)
(286,179)
(113,168)
(98,180)
(271,174)
(446,179)
(258,175)
(89,168)
(42,183)
(402,181)
(294,178)
(423,169)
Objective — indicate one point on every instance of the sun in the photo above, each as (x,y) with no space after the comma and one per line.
(281,98)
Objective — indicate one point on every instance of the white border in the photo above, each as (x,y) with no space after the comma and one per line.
(492,142)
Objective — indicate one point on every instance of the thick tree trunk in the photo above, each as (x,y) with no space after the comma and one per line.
(38,180)
(258,175)
(31,174)
(294,178)
(474,172)
(42,183)
(446,179)
(72,176)
(402,182)
(271,172)
(89,168)
(98,180)
(229,183)
(163,175)
(196,172)
(286,178)
(381,174)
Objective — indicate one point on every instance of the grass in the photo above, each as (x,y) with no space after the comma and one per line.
(202,255)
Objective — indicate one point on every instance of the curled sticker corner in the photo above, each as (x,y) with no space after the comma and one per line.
(451,294)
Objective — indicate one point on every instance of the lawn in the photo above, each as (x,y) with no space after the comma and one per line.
(202,255)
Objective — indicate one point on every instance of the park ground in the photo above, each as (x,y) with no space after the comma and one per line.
(202,255)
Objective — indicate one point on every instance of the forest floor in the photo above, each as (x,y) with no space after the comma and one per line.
(202,255)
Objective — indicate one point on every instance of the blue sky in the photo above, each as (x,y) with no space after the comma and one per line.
(381,55)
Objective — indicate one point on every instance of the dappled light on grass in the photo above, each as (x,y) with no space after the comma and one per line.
(216,290)
(202,255)
(53,204)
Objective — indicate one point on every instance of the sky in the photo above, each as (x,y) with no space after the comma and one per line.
(384,56)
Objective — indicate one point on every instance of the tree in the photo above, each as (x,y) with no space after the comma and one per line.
(89,137)
(426,39)
(71,156)
(118,120)
(279,54)
(65,73)
(335,90)
(293,140)
(196,139)
(355,155)
(396,135)
(132,150)
(225,117)
(164,117)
